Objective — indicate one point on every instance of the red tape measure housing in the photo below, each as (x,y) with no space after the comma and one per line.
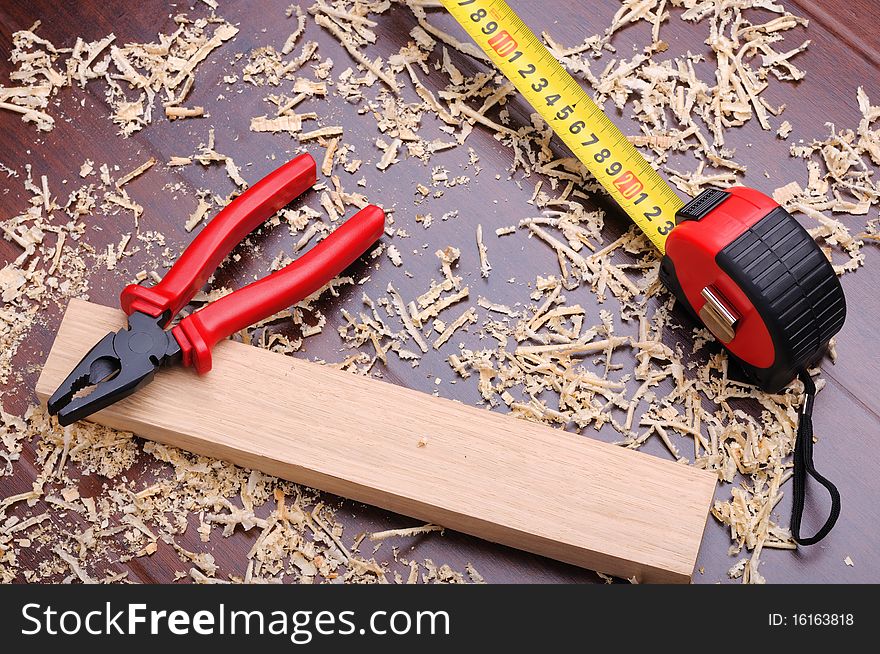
(756,278)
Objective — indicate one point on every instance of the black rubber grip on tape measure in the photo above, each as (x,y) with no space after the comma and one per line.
(794,288)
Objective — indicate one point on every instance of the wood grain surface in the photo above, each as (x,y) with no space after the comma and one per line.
(842,57)
(625,513)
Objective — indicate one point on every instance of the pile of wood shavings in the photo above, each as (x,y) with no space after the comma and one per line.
(297,534)
(54,261)
(841,181)
(91,536)
(537,368)
(548,359)
(678,110)
(165,69)
(299,539)
(289,543)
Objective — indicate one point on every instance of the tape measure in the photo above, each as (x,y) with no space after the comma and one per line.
(574,117)
(737,260)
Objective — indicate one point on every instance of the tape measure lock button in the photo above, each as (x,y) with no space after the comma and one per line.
(703,204)
(757,280)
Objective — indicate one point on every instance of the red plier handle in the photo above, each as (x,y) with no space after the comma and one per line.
(200,331)
(201,258)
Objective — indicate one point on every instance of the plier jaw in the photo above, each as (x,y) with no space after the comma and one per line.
(117,366)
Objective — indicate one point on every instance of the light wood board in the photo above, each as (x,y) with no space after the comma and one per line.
(506,480)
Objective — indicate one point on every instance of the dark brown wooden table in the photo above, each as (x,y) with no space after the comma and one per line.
(843,56)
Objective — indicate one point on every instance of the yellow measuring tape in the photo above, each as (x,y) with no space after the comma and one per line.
(574,117)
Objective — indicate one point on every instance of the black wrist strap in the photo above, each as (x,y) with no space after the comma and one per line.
(803,466)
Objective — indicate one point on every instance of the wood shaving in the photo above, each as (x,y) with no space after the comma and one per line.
(485,266)
(404,533)
(407,320)
(390,155)
(329,153)
(290,123)
(176,113)
(137,172)
(207,156)
(350,45)
(784,130)
(323,132)
(289,44)
(468,317)
(196,216)
(394,255)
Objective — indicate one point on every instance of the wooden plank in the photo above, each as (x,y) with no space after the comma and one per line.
(506,480)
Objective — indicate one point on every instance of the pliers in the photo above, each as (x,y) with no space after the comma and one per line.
(124,361)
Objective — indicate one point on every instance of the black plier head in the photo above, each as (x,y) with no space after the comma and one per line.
(117,366)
